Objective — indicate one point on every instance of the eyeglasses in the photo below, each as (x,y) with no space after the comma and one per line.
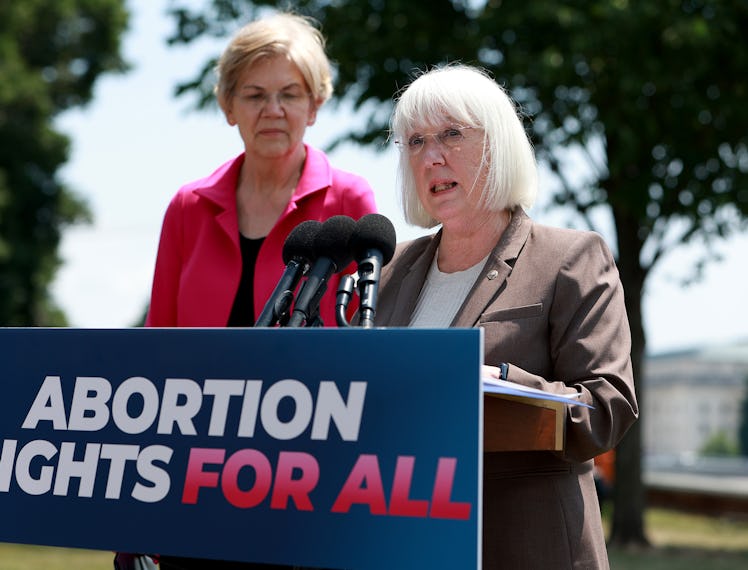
(287,99)
(451,137)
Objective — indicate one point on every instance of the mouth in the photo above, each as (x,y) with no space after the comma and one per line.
(442,187)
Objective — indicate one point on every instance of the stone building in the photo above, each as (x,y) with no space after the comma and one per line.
(691,397)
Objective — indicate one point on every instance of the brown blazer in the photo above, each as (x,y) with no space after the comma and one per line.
(551,305)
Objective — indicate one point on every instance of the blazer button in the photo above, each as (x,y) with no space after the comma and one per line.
(493,274)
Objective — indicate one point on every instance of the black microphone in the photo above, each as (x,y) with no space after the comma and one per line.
(333,255)
(373,245)
(298,254)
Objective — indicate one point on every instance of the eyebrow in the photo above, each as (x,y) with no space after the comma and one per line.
(437,129)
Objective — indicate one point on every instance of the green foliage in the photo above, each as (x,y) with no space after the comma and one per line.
(719,445)
(649,95)
(51,54)
(652,94)
(743,428)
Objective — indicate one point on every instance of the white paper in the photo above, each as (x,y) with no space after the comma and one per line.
(494,386)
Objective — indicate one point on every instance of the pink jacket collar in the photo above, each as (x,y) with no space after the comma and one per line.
(220,186)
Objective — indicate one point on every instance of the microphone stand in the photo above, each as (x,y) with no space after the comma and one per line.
(345,292)
(369,272)
(276,310)
(315,321)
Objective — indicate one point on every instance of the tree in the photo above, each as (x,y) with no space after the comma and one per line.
(636,108)
(51,54)
(719,444)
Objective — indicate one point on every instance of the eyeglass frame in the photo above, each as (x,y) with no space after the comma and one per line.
(261,99)
(439,137)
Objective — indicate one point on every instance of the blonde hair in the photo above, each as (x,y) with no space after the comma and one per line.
(287,34)
(470,97)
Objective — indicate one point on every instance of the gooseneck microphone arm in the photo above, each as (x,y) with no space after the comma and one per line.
(297,255)
(345,292)
(369,272)
(276,309)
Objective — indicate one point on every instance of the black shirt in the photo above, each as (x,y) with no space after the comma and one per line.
(243,311)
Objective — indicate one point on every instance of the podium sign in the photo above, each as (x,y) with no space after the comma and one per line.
(334,448)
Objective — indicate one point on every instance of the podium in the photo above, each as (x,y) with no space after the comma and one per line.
(514,423)
(329,448)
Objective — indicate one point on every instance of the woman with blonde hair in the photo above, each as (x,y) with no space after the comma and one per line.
(221,249)
(220,253)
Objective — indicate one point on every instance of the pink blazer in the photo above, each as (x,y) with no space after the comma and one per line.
(199,265)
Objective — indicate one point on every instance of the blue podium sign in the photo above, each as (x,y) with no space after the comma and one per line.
(335,448)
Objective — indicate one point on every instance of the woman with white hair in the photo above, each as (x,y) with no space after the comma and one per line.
(549,301)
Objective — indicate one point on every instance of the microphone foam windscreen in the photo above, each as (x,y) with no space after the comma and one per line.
(300,242)
(374,231)
(332,240)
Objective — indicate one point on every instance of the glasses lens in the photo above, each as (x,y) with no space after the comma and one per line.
(451,137)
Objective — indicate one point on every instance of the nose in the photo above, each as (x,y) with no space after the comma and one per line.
(433,151)
(272,105)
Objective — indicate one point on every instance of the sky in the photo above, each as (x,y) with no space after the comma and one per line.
(136,144)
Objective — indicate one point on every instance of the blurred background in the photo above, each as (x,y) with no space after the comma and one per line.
(636,111)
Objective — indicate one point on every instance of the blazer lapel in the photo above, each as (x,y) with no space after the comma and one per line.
(496,271)
(220,189)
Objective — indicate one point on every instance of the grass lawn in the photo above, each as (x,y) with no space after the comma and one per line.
(683,541)
(23,557)
(679,542)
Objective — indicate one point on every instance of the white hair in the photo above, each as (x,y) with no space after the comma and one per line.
(469,97)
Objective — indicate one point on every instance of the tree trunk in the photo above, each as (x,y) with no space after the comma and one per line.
(629,496)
